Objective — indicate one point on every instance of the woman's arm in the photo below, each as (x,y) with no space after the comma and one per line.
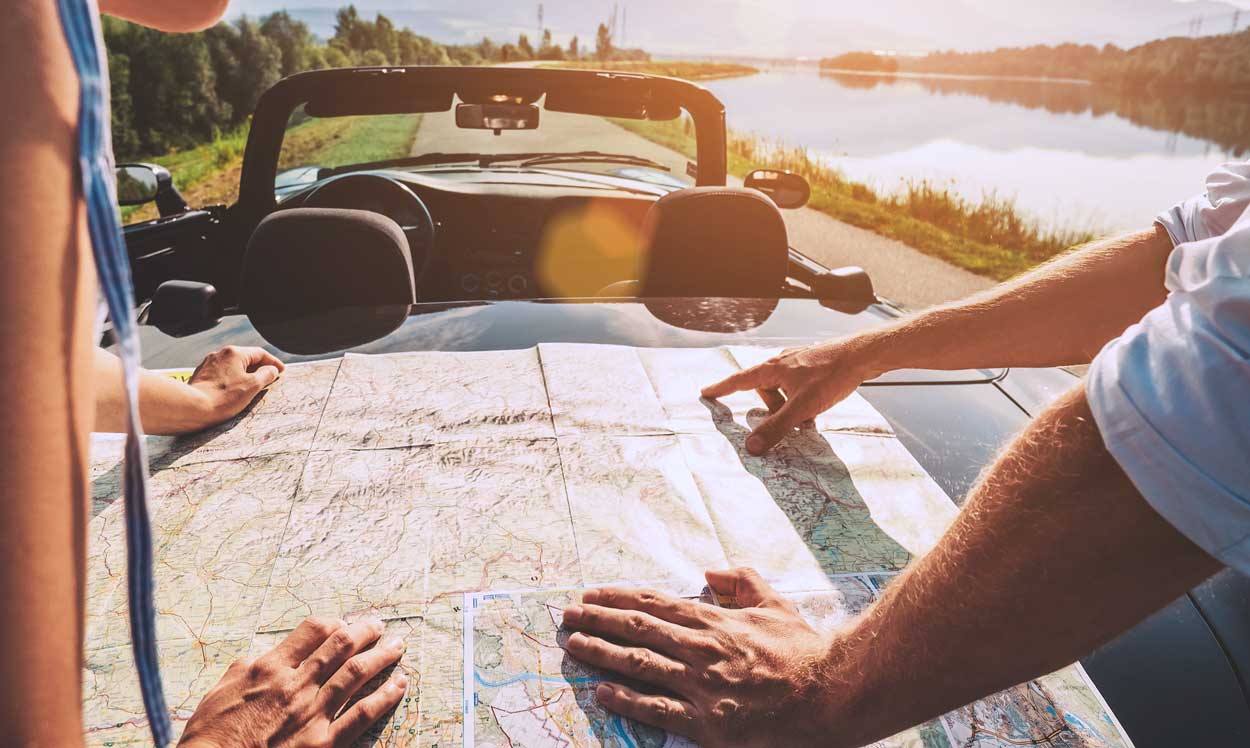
(225,383)
(1061,313)
(47,302)
(168,15)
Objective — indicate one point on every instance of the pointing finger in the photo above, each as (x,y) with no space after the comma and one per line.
(748,379)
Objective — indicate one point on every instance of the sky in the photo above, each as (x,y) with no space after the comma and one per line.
(792,28)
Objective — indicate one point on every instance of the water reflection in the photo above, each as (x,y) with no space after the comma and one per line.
(1221,121)
(1071,155)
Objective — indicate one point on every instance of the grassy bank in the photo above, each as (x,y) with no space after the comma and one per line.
(692,71)
(209,174)
(989,237)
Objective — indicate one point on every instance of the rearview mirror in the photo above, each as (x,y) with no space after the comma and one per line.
(787,189)
(137,184)
(497,117)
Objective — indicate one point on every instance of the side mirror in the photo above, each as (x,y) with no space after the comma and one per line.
(137,184)
(787,189)
(140,184)
(181,308)
(497,117)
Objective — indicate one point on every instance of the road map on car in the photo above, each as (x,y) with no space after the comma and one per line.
(404,485)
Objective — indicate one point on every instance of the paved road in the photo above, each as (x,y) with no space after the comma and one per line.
(899,272)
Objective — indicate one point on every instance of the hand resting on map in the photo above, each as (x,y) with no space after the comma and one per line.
(223,385)
(295,695)
(799,385)
(748,677)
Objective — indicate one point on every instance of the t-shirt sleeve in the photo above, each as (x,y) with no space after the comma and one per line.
(1214,212)
(1171,396)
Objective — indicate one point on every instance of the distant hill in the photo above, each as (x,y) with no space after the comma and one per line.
(1216,65)
(811,28)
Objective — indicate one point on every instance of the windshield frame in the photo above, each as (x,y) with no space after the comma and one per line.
(431,85)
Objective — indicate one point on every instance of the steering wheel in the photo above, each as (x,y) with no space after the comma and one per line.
(391,198)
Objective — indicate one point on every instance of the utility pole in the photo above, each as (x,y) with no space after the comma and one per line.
(540,22)
(624,22)
(1236,19)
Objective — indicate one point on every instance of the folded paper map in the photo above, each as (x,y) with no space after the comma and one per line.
(404,485)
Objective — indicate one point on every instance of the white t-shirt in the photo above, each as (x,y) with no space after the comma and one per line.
(1171,396)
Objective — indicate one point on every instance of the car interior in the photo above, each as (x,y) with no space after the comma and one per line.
(536,228)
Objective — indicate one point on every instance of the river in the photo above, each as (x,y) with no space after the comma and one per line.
(1072,155)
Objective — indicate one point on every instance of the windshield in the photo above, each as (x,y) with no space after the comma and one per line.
(569,142)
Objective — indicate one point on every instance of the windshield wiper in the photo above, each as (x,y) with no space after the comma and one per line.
(542,159)
(484,160)
(424,159)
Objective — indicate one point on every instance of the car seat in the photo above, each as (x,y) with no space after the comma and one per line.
(322,279)
(711,241)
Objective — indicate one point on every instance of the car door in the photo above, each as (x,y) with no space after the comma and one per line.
(176,245)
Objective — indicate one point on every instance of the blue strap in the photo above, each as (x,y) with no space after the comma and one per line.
(81,22)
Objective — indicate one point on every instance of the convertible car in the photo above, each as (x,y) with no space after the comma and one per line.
(471,209)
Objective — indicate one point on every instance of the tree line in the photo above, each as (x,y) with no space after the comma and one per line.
(1213,64)
(175,91)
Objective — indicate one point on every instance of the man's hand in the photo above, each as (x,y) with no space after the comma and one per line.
(752,676)
(230,379)
(293,696)
(799,385)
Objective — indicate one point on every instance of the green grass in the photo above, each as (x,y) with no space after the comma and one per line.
(361,140)
(989,237)
(692,71)
(209,174)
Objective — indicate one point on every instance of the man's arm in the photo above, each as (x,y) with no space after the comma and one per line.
(225,383)
(1061,313)
(1054,553)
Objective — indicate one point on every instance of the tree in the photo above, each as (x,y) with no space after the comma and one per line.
(293,39)
(336,58)
(574,51)
(384,38)
(487,49)
(170,98)
(524,47)
(508,53)
(374,58)
(603,43)
(247,64)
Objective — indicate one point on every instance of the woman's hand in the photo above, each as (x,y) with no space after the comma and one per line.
(230,379)
(753,677)
(293,696)
(800,384)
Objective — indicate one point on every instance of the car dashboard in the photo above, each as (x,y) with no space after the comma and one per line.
(508,234)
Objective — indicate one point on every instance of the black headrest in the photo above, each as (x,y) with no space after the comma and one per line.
(715,241)
(304,261)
